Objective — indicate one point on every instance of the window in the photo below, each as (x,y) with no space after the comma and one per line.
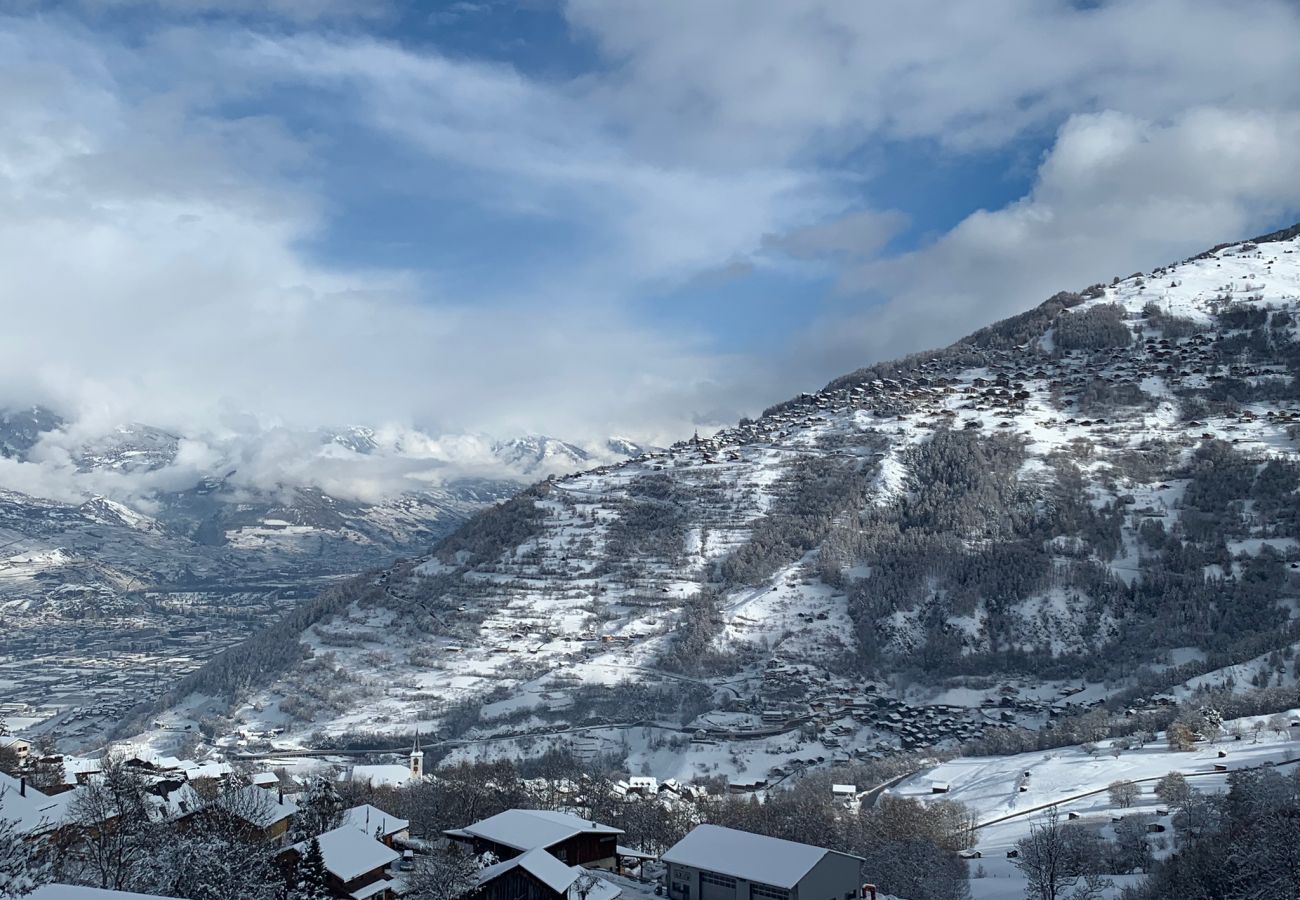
(719,880)
(767,892)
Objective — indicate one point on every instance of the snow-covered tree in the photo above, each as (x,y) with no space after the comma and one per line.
(319,810)
(110,826)
(214,854)
(1180,737)
(1211,721)
(20,871)
(1173,788)
(1123,793)
(1057,863)
(310,881)
(1130,849)
(445,874)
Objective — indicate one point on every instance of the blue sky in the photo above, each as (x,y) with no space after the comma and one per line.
(595,216)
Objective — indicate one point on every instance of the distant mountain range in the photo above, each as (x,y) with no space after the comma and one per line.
(93,512)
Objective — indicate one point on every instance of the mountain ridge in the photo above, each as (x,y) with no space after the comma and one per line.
(1041,502)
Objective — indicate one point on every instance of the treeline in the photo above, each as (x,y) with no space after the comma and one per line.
(486,536)
(1099,327)
(1245,843)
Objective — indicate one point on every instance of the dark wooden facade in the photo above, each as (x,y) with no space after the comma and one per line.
(579,850)
(517,884)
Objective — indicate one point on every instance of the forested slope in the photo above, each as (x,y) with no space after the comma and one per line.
(1093,492)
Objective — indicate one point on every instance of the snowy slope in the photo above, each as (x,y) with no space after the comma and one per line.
(743,604)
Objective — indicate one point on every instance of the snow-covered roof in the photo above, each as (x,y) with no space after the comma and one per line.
(526,829)
(633,853)
(391,773)
(350,854)
(80,892)
(266,805)
(29,810)
(369,890)
(538,863)
(604,890)
(263,779)
(195,771)
(367,818)
(741,854)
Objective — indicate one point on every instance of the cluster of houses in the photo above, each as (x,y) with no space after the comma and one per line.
(528,854)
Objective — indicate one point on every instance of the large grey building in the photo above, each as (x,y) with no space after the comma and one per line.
(716,863)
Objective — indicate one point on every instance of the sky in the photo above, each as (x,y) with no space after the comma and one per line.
(593,217)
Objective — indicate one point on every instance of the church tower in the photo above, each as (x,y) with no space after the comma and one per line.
(417,759)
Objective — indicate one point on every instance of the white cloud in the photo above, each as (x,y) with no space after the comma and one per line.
(764,79)
(1116,194)
(153,242)
(154,271)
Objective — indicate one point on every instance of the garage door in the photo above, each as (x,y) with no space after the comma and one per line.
(717,887)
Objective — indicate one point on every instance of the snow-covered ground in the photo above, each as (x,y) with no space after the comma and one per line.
(570,609)
(1007,794)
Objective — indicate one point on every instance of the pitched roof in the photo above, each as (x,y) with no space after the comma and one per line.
(350,854)
(263,807)
(526,829)
(742,854)
(550,872)
(367,818)
(538,863)
(30,811)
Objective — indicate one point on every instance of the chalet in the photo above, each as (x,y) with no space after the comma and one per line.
(716,863)
(22,748)
(384,827)
(269,814)
(537,875)
(356,865)
(571,840)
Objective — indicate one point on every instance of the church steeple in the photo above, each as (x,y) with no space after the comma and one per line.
(417,758)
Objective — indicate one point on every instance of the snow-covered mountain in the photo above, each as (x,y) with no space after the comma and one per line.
(540,454)
(241,508)
(1098,493)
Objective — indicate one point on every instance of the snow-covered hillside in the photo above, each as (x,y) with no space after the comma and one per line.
(1009,794)
(1095,494)
(120,547)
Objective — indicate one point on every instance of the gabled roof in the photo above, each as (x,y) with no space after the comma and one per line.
(30,811)
(550,872)
(368,818)
(742,854)
(350,854)
(538,863)
(527,829)
(264,807)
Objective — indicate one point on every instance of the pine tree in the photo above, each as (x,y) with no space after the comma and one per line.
(310,879)
(320,810)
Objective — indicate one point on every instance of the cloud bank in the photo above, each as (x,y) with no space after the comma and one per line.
(174,252)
